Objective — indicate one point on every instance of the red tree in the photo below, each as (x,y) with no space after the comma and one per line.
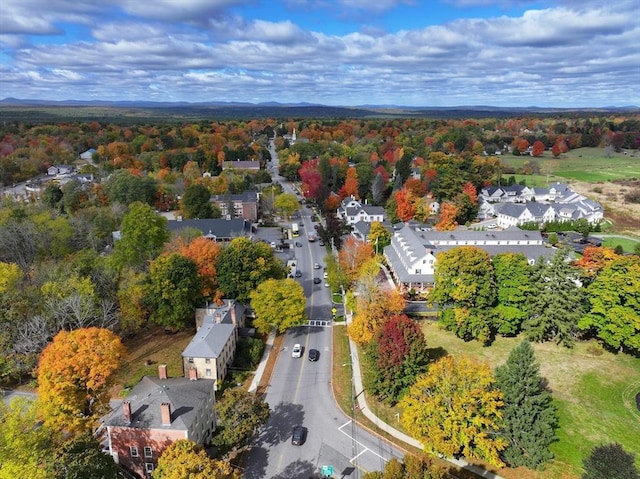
(538,148)
(448,214)
(404,205)
(470,190)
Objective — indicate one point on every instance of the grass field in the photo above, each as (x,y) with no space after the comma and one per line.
(595,396)
(628,244)
(582,164)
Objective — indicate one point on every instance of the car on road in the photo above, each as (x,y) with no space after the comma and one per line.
(316,266)
(296,352)
(321,243)
(298,244)
(299,435)
(298,274)
(314,354)
(326,275)
(317,281)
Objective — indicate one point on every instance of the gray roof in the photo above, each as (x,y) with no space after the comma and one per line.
(209,341)
(509,234)
(244,197)
(185,397)
(219,227)
(401,273)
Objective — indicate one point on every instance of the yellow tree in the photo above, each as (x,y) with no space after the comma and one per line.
(131,294)
(455,409)
(278,304)
(374,303)
(185,459)
(353,254)
(75,372)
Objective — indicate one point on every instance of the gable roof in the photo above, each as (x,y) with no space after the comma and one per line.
(185,397)
(209,341)
(219,227)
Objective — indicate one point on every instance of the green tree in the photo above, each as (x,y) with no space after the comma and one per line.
(81,458)
(184,459)
(126,188)
(286,204)
(399,352)
(610,461)
(455,409)
(243,265)
(583,227)
(25,443)
(615,304)
(556,301)
(173,291)
(52,195)
(465,290)
(240,414)
(196,202)
(143,234)
(513,279)
(528,414)
(278,304)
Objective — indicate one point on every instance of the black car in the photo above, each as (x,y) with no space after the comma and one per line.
(317,281)
(298,244)
(298,274)
(299,435)
(314,354)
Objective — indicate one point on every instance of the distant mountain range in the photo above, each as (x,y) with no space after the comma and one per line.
(300,110)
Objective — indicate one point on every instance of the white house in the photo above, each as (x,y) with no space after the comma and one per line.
(352,211)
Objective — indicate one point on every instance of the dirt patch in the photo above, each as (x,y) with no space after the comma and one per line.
(625,216)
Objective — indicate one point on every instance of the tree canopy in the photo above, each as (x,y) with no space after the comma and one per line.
(196,202)
(185,459)
(279,304)
(610,461)
(243,265)
(454,409)
(75,373)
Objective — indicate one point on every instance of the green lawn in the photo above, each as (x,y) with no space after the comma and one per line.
(582,164)
(595,395)
(628,244)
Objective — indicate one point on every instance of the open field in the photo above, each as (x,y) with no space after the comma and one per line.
(591,173)
(149,348)
(595,396)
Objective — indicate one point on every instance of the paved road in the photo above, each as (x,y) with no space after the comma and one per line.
(299,393)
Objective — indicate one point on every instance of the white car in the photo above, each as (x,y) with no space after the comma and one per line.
(326,275)
(316,266)
(296,352)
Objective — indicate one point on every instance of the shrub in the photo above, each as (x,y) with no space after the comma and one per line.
(632,196)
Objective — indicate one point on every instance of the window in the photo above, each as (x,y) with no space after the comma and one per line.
(207,360)
(148,452)
(148,466)
(134,451)
(190,360)
(207,372)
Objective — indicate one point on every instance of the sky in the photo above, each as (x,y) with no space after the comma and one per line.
(508,53)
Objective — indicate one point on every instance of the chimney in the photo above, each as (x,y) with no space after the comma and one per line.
(218,318)
(165,413)
(232,309)
(126,410)
(162,371)
(193,374)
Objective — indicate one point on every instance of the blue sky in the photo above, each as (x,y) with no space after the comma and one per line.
(562,53)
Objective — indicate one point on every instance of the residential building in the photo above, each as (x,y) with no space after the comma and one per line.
(156,413)
(88,155)
(243,205)
(217,229)
(54,170)
(352,211)
(212,349)
(412,254)
(249,165)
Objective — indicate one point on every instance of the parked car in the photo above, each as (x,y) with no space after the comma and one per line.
(314,354)
(326,275)
(299,435)
(317,281)
(298,274)
(321,243)
(296,352)
(316,266)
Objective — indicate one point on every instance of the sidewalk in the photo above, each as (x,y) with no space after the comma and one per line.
(263,363)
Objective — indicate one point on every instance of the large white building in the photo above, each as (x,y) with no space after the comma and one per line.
(412,254)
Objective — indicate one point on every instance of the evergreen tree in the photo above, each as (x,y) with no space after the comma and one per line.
(610,461)
(556,302)
(377,189)
(529,417)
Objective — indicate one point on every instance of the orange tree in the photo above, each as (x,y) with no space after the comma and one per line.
(75,372)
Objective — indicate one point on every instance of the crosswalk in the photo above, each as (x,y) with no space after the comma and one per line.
(323,323)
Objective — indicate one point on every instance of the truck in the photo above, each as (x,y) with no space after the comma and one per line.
(294,230)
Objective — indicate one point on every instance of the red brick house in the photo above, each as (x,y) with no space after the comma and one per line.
(158,412)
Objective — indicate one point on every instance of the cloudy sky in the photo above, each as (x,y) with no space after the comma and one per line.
(562,53)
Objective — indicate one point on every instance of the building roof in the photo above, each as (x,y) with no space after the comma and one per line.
(219,227)
(184,395)
(244,197)
(401,273)
(209,341)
